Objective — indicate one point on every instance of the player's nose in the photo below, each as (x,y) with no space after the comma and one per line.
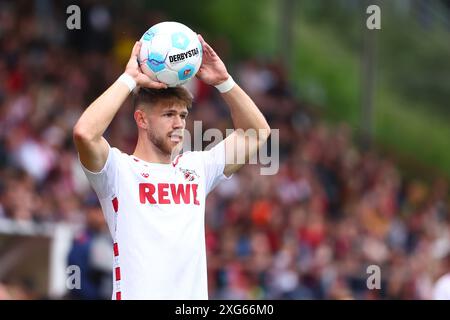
(178,122)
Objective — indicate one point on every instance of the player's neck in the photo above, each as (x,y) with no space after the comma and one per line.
(148,152)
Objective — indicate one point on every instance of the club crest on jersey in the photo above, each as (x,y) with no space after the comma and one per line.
(188,174)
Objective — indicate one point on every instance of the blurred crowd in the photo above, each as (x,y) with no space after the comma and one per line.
(308,232)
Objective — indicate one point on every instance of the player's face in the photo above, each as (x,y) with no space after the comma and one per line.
(166,126)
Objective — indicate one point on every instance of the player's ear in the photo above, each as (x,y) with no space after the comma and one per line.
(141,119)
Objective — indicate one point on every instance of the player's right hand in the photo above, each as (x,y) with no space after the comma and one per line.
(134,71)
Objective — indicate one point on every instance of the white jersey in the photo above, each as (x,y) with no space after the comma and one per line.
(155,213)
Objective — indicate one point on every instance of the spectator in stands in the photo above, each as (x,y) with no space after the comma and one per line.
(91,252)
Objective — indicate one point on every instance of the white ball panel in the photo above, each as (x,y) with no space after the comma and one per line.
(168,77)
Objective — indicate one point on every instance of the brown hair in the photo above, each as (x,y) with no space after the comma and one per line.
(169,96)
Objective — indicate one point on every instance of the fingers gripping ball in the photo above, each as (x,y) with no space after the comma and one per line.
(171,53)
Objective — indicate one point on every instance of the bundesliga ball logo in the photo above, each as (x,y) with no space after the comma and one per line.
(170,53)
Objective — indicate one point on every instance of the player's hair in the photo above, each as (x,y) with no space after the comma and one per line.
(144,97)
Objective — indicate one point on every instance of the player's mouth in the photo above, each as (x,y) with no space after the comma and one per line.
(175,137)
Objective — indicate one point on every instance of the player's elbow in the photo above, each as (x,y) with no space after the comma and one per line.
(81,133)
(264,133)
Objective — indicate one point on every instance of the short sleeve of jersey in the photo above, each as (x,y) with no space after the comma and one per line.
(105,181)
(214,164)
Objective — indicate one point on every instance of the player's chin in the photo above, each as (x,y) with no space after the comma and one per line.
(175,145)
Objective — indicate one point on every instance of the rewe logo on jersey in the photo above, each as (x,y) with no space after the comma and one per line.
(168,193)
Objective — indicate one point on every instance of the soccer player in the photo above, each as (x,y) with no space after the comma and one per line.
(154,203)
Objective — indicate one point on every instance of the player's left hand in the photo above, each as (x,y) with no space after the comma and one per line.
(212,70)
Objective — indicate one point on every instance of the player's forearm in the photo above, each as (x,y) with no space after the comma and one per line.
(97,117)
(245,114)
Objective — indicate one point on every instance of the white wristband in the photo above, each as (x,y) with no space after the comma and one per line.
(226,86)
(126,79)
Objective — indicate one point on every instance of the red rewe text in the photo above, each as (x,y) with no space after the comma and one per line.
(168,193)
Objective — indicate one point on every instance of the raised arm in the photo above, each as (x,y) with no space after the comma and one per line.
(244,143)
(88,131)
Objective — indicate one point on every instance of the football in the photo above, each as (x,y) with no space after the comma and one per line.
(170,53)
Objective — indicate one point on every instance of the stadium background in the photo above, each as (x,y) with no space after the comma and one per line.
(364,145)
